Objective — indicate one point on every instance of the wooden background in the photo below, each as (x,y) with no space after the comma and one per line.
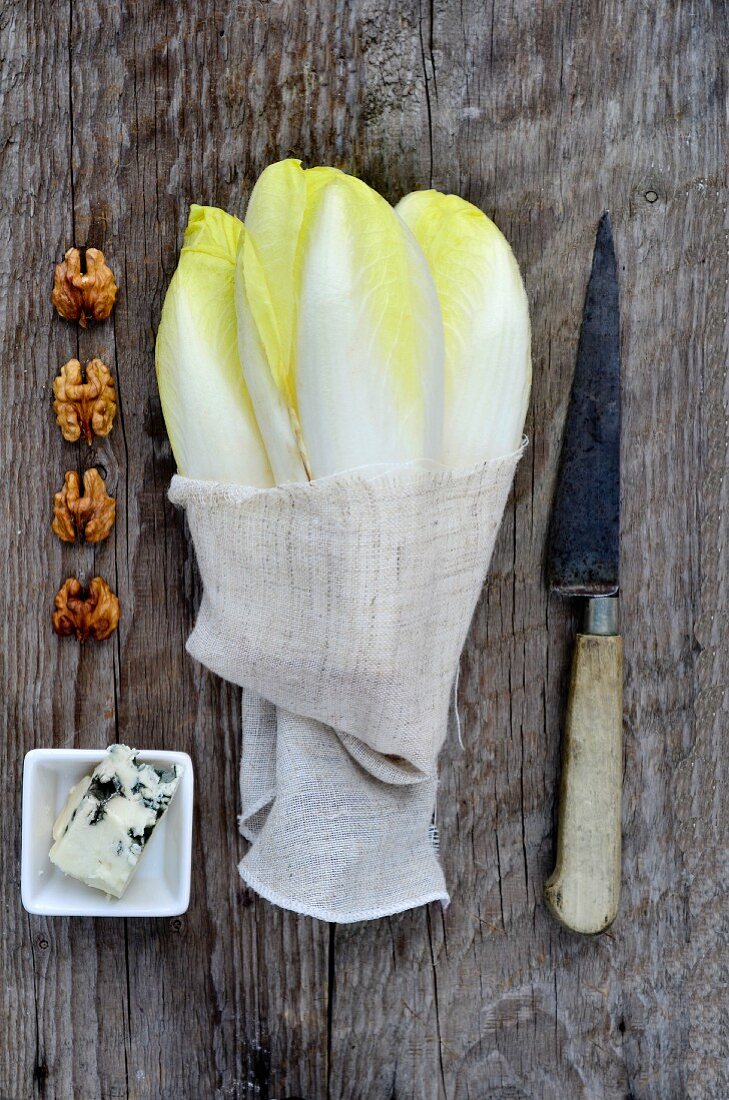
(113,118)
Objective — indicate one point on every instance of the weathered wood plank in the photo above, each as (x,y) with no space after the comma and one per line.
(544,116)
(113,118)
(213,968)
(38,678)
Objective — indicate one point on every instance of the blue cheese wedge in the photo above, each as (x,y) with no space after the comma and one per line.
(109,817)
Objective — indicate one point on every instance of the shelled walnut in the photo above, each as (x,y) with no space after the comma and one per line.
(80,294)
(86,615)
(85,407)
(91,516)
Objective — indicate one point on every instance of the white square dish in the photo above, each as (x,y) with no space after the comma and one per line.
(161,884)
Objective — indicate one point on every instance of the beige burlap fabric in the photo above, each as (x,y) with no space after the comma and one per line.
(341,608)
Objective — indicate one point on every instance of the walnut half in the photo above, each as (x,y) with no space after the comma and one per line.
(77,294)
(86,615)
(91,516)
(83,407)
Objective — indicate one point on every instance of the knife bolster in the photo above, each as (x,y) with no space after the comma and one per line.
(583,891)
(601,616)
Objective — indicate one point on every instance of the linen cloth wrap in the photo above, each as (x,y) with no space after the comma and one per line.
(341,608)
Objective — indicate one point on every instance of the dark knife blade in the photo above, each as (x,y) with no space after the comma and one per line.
(583,550)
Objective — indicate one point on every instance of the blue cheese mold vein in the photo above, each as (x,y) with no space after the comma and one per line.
(109,817)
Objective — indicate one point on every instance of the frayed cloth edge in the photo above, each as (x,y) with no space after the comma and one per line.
(332,916)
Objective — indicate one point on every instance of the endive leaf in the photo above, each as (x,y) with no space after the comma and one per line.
(267,281)
(486,323)
(264,366)
(278,212)
(369,343)
(206,406)
(274,218)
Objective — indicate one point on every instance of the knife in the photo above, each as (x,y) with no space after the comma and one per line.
(583,891)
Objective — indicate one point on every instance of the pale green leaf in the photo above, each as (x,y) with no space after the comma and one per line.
(486,324)
(365,380)
(205,402)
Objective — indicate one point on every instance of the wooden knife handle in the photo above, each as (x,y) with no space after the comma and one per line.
(584,889)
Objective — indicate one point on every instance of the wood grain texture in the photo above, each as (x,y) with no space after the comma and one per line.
(112,119)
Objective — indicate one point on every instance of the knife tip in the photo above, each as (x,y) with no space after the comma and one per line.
(604,247)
